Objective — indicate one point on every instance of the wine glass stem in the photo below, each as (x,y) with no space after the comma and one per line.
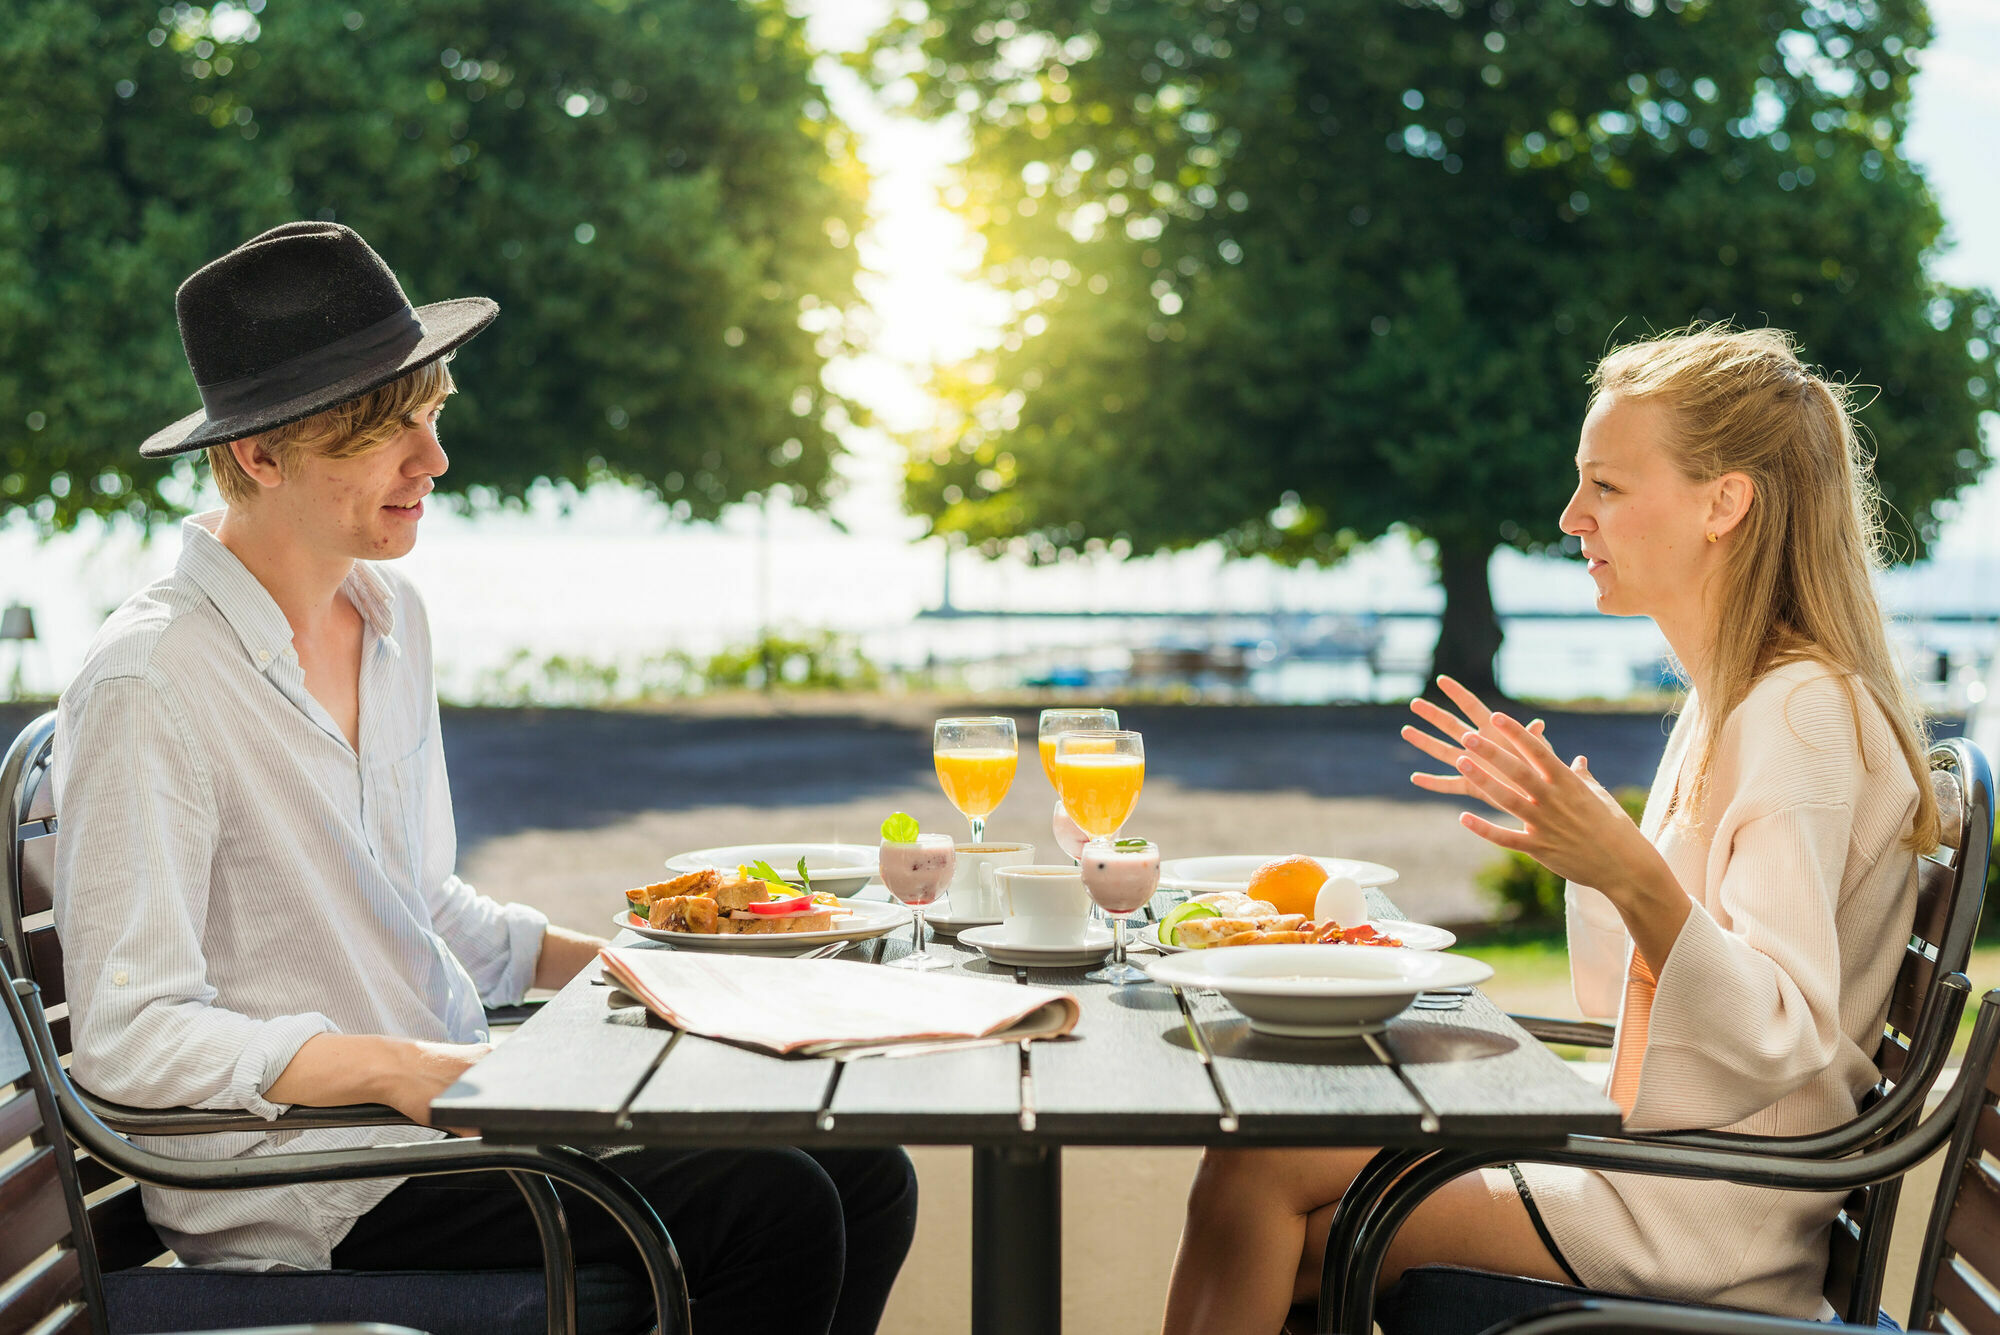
(923,944)
(1117,941)
(978,824)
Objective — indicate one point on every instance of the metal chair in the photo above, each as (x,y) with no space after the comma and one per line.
(1915,1043)
(48,1267)
(1958,1276)
(139,1293)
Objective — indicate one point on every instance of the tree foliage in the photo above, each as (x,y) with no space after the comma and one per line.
(653,190)
(1291,274)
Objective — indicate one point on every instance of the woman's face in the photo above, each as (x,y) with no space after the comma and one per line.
(1642,521)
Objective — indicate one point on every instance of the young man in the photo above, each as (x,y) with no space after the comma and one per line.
(254,886)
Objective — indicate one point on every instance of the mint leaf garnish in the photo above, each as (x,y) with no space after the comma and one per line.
(1133,844)
(765,872)
(802,874)
(900,828)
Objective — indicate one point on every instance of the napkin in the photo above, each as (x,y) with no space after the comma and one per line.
(824,1007)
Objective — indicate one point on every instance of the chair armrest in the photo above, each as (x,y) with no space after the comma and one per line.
(320,1328)
(131,1121)
(518,1013)
(1576,1033)
(1596,1315)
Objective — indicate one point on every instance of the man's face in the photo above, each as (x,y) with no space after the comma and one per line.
(365,508)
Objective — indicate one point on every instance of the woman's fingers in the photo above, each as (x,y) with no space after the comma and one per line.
(1450,784)
(1517,840)
(1446,722)
(1475,708)
(1495,792)
(1507,763)
(1525,740)
(1441,751)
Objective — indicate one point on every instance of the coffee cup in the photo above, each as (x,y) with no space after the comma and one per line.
(1044,906)
(975,889)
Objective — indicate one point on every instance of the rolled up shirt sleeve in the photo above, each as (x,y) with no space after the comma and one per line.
(138,830)
(1748,1011)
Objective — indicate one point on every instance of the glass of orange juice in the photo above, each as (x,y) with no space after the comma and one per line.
(1055,722)
(1099,773)
(975,760)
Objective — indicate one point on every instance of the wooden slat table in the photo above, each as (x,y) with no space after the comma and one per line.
(1146,1066)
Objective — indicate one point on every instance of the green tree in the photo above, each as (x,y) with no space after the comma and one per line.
(654,191)
(1295,273)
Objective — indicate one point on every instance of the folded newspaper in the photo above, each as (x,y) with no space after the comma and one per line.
(827,1007)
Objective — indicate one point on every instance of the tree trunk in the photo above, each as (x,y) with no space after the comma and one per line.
(1469,632)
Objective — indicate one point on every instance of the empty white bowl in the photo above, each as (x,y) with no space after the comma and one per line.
(1318,991)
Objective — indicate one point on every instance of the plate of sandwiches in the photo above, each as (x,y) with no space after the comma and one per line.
(838,869)
(711,909)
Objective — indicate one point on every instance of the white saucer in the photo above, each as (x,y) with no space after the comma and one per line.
(944,924)
(995,943)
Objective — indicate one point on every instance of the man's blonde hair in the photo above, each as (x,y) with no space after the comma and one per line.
(344,431)
(1799,579)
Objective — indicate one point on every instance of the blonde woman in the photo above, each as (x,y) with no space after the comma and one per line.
(1746,933)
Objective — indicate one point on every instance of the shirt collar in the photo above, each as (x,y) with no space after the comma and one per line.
(248,606)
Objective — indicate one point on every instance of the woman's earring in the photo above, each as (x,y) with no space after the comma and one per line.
(1712,537)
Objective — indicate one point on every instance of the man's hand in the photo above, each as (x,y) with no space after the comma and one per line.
(426,1071)
(333,1070)
(564,955)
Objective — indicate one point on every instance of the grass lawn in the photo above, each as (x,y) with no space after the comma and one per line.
(1531,974)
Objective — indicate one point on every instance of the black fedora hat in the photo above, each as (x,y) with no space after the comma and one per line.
(294,321)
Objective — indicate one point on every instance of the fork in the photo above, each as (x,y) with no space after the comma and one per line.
(827,951)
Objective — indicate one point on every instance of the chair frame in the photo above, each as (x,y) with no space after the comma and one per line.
(543,1164)
(1389,1188)
(25,763)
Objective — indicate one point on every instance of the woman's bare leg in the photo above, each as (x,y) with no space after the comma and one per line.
(1256,1235)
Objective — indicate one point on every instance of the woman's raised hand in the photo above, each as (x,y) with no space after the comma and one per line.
(1456,729)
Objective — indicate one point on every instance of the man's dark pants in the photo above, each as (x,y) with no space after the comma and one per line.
(772,1240)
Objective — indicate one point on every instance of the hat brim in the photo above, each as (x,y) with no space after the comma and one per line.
(446,325)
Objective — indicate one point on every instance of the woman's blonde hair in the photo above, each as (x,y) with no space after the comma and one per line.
(344,431)
(1800,562)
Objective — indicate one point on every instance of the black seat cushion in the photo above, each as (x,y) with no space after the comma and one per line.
(1451,1300)
(154,1300)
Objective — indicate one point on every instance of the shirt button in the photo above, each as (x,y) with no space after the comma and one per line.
(291,654)
(119,978)
(263,656)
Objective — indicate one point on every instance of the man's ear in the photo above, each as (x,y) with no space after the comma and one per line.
(255,460)
(1730,502)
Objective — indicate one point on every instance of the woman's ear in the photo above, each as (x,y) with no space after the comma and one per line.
(256,461)
(1729,502)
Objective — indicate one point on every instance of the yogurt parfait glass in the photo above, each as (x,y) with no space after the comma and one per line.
(1121,876)
(918,872)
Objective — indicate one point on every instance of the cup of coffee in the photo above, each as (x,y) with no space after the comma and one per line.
(975,887)
(1044,906)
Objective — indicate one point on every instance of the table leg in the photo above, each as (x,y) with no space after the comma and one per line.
(1017,1240)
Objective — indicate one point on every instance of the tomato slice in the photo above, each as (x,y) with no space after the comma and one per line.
(772,908)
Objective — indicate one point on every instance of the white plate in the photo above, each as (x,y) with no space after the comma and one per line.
(1231,871)
(1413,935)
(838,869)
(871,919)
(998,945)
(1318,991)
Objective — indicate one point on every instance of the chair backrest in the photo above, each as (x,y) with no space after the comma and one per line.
(1958,1273)
(48,1269)
(29,949)
(1951,889)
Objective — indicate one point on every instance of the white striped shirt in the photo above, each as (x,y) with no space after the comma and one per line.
(232,879)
